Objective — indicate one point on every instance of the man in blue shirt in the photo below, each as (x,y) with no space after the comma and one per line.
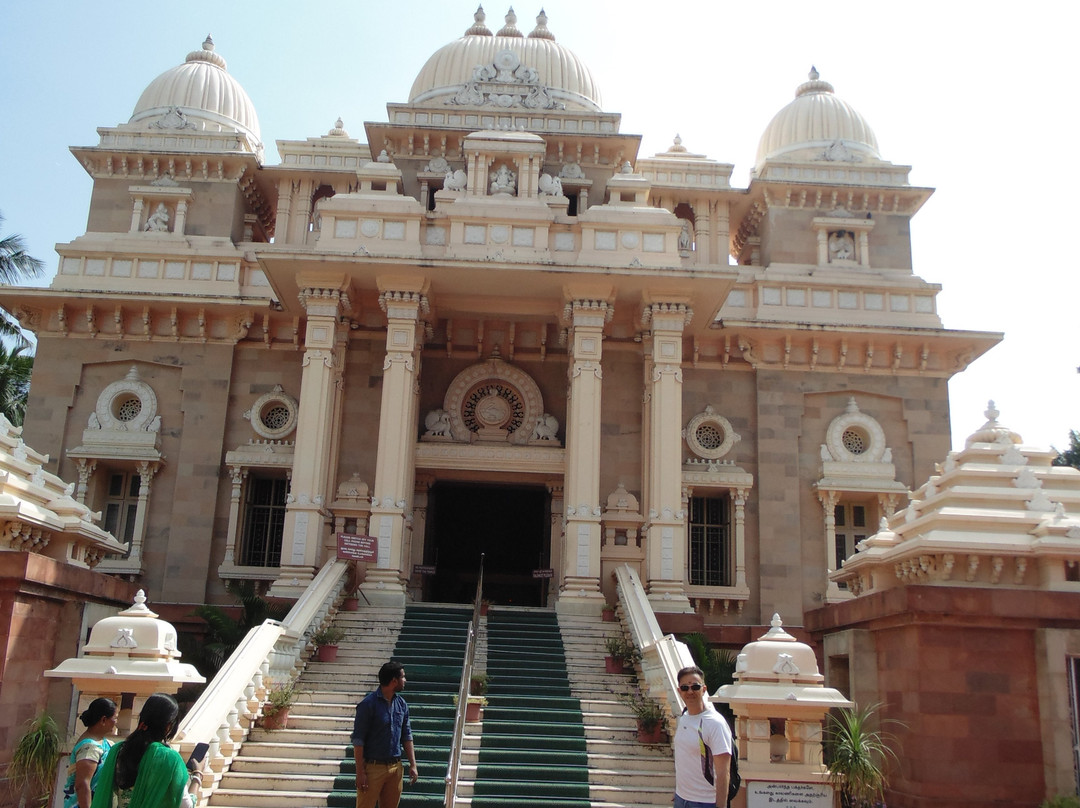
(380,731)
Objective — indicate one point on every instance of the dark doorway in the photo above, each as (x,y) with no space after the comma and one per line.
(508,524)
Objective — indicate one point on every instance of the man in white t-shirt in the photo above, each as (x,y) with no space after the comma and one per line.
(702,747)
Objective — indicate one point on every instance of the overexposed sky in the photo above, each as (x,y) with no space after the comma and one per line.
(978,98)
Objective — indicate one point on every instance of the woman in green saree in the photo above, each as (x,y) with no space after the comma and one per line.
(144,771)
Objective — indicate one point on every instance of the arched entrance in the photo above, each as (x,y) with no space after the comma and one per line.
(510,525)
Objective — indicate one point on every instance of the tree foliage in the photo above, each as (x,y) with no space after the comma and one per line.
(225,632)
(16,366)
(33,761)
(858,754)
(1071,456)
(16,266)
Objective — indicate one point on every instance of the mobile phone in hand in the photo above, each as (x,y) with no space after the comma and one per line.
(197,756)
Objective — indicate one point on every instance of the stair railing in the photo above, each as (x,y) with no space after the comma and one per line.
(450,797)
(662,656)
(229,706)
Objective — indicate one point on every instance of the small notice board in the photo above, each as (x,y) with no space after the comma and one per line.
(764,794)
(356,547)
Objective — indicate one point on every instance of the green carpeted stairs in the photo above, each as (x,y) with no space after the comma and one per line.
(431,646)
(532,750)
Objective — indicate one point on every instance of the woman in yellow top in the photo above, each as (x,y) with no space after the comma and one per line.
(144,771)
(89,751)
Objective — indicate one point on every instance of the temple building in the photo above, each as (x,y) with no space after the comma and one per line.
(489,325)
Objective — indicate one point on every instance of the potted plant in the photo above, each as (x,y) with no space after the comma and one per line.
(478,683)
(326,641)
(33,762)
(649,715)
(474,707)
(857,753)
(351,603)
(607,613)
(484,604)
(621,653)
(279,698)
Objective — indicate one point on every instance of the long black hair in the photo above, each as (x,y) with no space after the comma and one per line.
(157,722)
(97,709)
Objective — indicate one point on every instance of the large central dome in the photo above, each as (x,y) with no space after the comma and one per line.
(506,69)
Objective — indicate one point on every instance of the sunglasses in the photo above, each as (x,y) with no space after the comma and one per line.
(695,687)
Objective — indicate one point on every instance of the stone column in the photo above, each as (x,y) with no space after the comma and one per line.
(304,533)
(580,589)
(237,474)
(666,530)
(738,497)
(391,502)
(829,500)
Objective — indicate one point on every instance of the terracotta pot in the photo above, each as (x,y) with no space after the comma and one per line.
(473,710)
(326,653)
(654,735)
(607,615)
(613,664)
(278,720)
(483,609)
(350,604)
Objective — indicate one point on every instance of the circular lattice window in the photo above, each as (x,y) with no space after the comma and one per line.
(126,405)
(710,435)
(273,416)
(855,436)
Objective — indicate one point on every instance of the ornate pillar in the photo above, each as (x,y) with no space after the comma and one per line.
(580,590)
(391,502)
(237,475)
(86,471)
(147,469)
(828,503)
(304,532)
(738,498)
(666,530)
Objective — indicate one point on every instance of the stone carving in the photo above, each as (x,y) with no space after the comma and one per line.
(158,221)
(572,171)
(437,423)
(455,180)
(547,426)
(838,152)
(841,246)
(174,118)
(438,165)
(550,186)
(503,181)
(125,638)
(505,82)
(684,237)
(785,665)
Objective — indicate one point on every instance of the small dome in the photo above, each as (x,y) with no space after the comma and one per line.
(500,61)
(203,93)
(777,656)
(817,125)
(993,431)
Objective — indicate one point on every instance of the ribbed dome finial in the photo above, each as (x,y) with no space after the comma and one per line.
(510,29)
(206,54)
(813,84)
(813,75)
(541,30)
(478,28)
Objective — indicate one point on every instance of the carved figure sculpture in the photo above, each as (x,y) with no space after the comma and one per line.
(438,165)
(158,221)
(841,245)
(572,171)
(437,423)
(503,181)
(547,426)
(550,186)
(684,237)
(455,180)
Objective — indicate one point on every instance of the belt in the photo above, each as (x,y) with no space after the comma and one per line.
(383,761)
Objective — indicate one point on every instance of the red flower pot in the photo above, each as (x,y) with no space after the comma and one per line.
(326,653)
(472,710)
(607,614)
(613,664)
(654,735)
(350,604)
(277,720)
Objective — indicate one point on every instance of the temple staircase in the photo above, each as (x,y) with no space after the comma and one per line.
(554,732)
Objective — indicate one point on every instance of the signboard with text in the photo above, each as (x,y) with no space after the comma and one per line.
(549,573)
(356,547)
(423,569)
(764,794)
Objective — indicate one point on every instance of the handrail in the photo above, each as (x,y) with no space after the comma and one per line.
(233,700)
(450,797)
(662,656)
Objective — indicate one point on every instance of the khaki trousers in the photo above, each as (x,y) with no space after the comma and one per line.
(384,785)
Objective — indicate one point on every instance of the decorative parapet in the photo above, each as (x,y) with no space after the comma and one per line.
(38,513)
(997,513)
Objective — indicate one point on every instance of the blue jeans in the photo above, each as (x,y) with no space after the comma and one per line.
(681,803)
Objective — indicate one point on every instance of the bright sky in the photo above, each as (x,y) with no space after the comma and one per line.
(976,97)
